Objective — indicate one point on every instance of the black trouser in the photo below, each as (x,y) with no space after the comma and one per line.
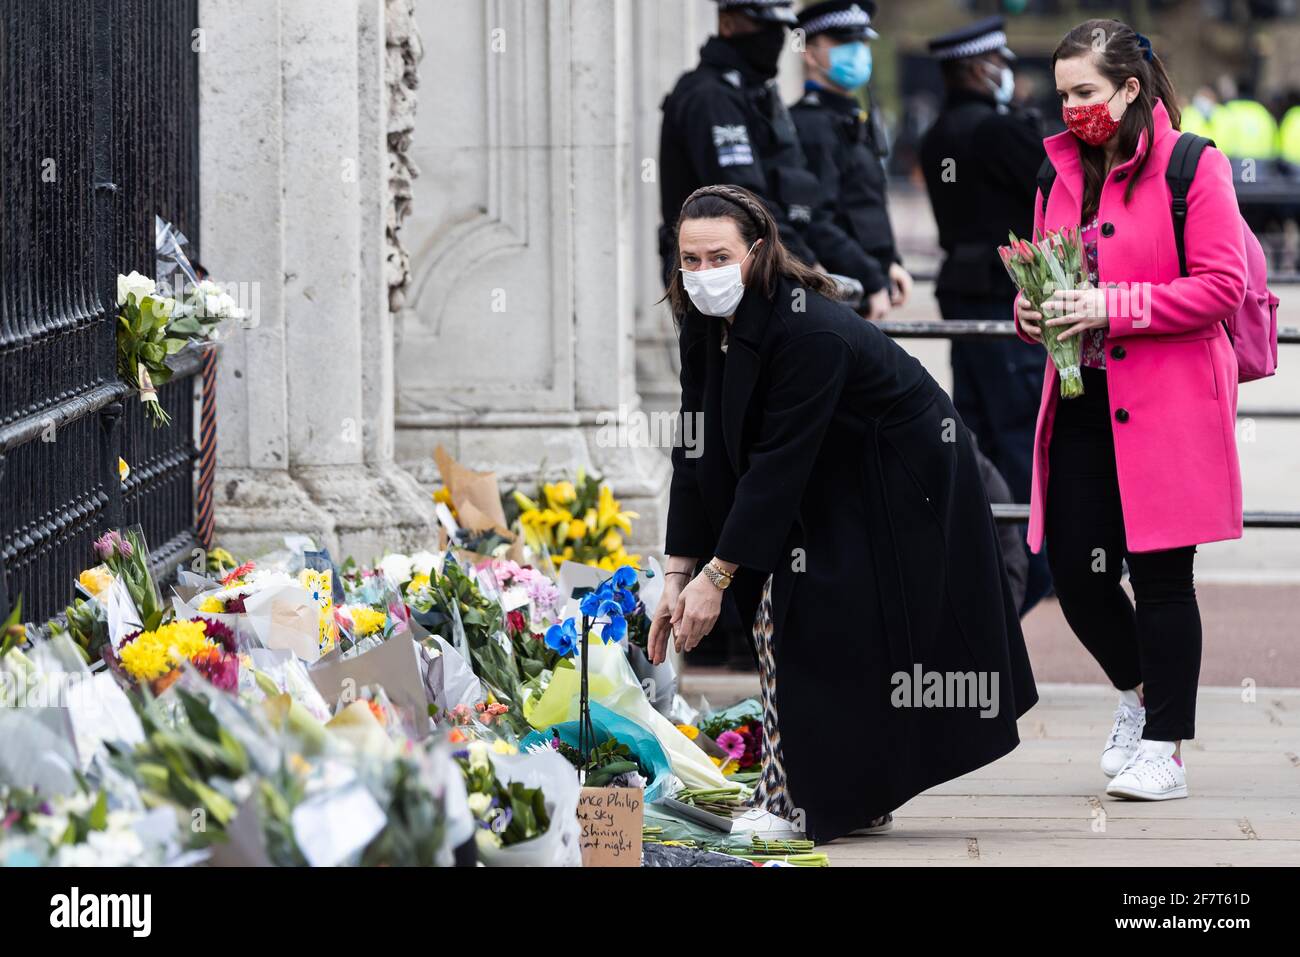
(1159,645)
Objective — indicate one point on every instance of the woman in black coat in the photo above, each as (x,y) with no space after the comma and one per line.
(832,469)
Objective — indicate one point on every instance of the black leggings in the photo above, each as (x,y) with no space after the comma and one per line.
(1159,645)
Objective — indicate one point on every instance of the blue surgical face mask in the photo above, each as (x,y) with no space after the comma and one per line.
(850,65)
(1004,86)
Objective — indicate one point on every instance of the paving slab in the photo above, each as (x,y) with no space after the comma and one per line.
(1046,805)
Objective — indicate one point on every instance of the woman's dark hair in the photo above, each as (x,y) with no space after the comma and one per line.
(1119,53)
(754,221)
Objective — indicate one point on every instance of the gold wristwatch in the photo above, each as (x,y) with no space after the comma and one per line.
(717,575)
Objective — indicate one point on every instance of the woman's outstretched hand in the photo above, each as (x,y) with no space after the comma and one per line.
(696,612)
(661,624)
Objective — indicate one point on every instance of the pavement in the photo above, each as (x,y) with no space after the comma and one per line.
(1045,804)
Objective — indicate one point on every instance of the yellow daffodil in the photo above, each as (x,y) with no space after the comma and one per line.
(611,514)
(577,530)
(123,470)
(417,582)
(559,493)
(219,559)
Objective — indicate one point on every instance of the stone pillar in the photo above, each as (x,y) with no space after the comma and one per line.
(296,197)
(517,340)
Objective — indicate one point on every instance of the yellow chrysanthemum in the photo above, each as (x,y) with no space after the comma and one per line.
(418,581)
(154,653)
(212,605)
(365,620)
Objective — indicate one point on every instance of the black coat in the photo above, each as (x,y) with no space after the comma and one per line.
(724,123)
(981,168)
(832,459)
(845,148)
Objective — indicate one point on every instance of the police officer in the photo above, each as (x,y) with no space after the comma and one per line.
(980,160)
(724,122)
(845,145)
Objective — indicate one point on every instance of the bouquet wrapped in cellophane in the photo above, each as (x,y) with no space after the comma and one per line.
(1053,261)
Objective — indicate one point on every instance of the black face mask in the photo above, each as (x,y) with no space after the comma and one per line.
(761,49)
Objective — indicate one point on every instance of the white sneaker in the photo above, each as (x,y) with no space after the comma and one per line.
(1153,775)
(1125,734)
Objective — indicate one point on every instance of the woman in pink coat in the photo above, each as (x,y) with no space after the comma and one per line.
(1143,466)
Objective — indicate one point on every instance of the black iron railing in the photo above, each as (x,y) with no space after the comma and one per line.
(98,133)
(977,329)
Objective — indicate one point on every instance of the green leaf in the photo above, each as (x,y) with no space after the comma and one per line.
(99,813)
(200,715)
(185,326)
(11,632)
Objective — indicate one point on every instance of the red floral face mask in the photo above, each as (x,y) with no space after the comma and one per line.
(1091,122)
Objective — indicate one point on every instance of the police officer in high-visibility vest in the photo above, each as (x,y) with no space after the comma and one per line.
(724,122)
(980,160)
(846,145)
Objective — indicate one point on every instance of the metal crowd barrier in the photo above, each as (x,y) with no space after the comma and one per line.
(1003,329)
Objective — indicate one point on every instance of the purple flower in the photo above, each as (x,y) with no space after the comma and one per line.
(111,544)
(221,634)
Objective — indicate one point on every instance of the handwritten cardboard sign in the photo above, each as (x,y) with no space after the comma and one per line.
(611,821)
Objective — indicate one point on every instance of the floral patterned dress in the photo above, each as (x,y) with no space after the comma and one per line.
(1093,347)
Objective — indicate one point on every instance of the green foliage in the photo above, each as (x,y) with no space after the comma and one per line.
(144,340)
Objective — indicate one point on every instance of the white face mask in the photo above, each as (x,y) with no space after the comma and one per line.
(716,291)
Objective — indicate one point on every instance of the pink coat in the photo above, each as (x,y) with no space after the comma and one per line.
(1171,372)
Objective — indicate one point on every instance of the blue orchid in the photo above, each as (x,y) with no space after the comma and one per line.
(591,602)
(625,577)
(563,638)
(616,630)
